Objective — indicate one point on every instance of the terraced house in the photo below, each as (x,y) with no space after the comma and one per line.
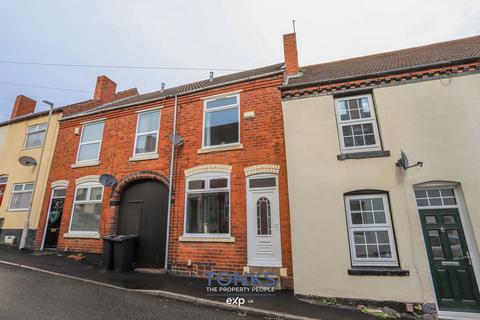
(200,176)
(25,135)
(366,224)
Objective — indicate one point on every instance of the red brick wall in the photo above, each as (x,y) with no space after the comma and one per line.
(263,143)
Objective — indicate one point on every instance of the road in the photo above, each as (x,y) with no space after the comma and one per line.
(26,294)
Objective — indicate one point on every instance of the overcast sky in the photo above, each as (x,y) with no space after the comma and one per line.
(200,34)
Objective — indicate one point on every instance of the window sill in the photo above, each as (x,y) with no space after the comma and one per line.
(364,155)
(378,271)
(82,235)
(141,157)
(30,148)
(206,239)
(86,164)
(16,210)
(236,146)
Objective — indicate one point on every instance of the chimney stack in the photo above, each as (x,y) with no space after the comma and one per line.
(105,89)
(23,106)
(291,54)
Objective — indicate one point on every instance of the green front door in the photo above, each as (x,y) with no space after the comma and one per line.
(452,272)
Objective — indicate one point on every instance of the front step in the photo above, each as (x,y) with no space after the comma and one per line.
(278,273)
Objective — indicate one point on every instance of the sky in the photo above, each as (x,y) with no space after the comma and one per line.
(208,34)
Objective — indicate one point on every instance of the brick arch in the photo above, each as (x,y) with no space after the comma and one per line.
(111,222)
(132,177)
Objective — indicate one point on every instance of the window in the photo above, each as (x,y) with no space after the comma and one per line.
(221,121)
(208,205)
(264,217)
(35,136)
(87,208)
(370,230)
(435,197)
(357,125)
(3,184)
(146,139)
(90,141)
(21,196)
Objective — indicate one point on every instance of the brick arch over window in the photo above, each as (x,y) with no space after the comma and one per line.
(262,168)
(111,223)
(132,177)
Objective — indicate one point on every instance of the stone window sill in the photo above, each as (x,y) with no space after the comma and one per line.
(86,164)
(364,155)
(220,148)
(378,271)
(206,239)
(82,235)
(141,157)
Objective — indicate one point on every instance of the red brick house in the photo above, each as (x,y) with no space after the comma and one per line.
(214,147)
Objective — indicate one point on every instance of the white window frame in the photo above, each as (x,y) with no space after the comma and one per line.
(80,143)
(88,185)
(22,191)
(36,131)
(146,133)
(231,106)
(380,262)
(372,120)
(207,177)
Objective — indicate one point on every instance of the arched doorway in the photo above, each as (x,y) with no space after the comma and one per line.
(143,211)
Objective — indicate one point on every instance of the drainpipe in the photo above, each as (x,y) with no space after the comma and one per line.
(170,179)
(26,223)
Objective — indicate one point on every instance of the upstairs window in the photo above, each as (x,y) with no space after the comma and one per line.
(221,121)
(370,230)
(21,197)
(35,136)
(146,139)
(208,205)
(357,124)
(90,142)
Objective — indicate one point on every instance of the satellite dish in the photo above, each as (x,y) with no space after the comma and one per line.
(176,139)
(107,180)
(27,161)
(403,162)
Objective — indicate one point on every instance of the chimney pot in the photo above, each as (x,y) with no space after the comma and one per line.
(23,106)
(291,54)
(105,89)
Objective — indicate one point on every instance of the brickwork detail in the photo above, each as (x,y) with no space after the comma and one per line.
(262,168)
(208,168)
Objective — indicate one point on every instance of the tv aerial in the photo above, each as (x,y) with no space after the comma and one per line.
(403,162)
(107,180)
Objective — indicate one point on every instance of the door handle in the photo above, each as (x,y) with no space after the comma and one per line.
(468,258)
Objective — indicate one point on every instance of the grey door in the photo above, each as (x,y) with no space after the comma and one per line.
(143,211)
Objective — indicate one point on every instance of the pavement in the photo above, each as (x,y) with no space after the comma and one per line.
(281,304)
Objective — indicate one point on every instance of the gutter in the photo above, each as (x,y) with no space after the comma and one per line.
(223,84)
(30,116)
(377,74)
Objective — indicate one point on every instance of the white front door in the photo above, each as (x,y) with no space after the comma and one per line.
(263,222)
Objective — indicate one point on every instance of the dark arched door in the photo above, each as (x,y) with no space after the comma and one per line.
(143,211)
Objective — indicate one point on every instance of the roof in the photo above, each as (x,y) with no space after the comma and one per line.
(70,108)
(186,89)
(442,53)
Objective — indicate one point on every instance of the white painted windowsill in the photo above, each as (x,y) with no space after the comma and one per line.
(219,148)
(140,157)
(206,239)
(83,235)
(86,164)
